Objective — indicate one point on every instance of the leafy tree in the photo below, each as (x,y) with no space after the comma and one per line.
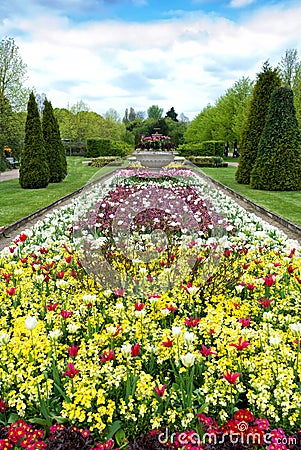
(266,82)
(172,114)
(278,162)
(34,170)
(140,115)
(154,112)
(176,131)
(12,75)
(132,114)
(223,121)
(5,122)
(126,116)
(55,151)
(289,67)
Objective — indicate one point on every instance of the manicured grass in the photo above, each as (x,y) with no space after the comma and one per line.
(285,204)
(16,203)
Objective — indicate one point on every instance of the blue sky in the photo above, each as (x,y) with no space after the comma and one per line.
(137,53)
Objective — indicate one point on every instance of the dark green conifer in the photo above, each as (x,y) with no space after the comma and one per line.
(266,82)
(34,170)
(278,162)
(55,151)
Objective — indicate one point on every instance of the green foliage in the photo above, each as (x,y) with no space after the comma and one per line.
(225,120)
(266,82)
(172,114)
(206,148)
(278,163)
(34,170)
(102,161)
(54,148)
(107,147)
(154,112)
(207,161)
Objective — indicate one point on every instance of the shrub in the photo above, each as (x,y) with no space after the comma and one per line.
(207,161)
(266,82)
(107,147)
(206,148)
(278,163)
(34,170)
(104,161)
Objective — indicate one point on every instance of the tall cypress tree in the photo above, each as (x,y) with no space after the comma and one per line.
(266,82)
(34,170)
(278,163)
(55,151)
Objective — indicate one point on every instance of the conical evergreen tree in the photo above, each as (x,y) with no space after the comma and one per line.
(278,162)
(55,151)
(34,170)
(266,82)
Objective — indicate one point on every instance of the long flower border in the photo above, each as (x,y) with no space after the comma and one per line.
(115,362)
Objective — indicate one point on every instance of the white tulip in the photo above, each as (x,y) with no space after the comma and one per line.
(31,322)
(188,359)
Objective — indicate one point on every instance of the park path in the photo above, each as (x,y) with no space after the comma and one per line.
(9,175)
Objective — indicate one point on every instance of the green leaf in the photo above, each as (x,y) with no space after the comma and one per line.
(13,417)
(114,428)
(39,421)
(120,437)
(62,393)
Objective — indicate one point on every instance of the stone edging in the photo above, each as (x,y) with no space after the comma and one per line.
(24,220)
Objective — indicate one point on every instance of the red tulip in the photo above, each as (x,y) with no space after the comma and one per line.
(231,377)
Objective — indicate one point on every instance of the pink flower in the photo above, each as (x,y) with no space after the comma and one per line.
(70,372)
(107,356)
(191,322)
(139,306)
(160,391)
(65,314)
(135,350)
(231,377)
(60,275)
(167,343)
(119,292)
(241,344)
(73,350)
(245,322)
(269,281)
(251,286)
(207,351)
(11,291)
(265,302)
(51,306)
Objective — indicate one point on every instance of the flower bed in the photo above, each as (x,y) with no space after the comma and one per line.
(153,303)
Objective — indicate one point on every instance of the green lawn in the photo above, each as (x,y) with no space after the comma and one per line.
(285,204)
(16,203)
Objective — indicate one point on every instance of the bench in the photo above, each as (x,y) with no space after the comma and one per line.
(12,163)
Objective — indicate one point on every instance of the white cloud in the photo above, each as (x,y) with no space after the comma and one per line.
(240,3)
(185,62)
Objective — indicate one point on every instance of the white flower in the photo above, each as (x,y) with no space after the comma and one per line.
(55,334)
(189,337)
(275,340)
(72,327)
(176,331)
(31,322)
(188,359)
(296,328)
(119,306)
(4,338)
(126,349)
